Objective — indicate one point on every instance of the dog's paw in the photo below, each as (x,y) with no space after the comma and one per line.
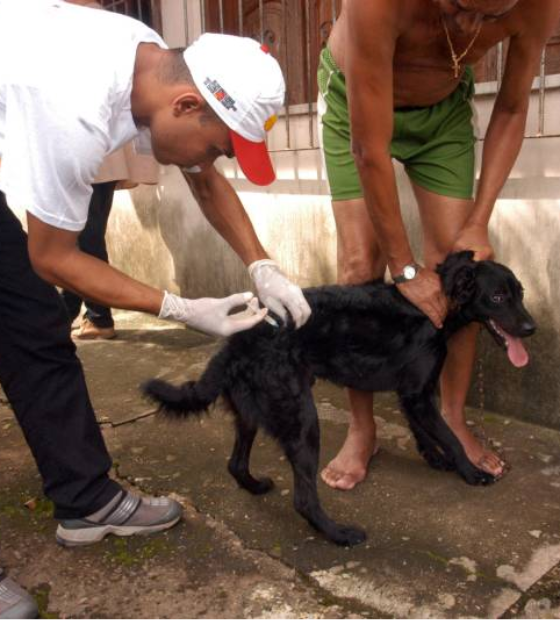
(437,460)
(347,536)
(255,486)
(478,477)
(262,486)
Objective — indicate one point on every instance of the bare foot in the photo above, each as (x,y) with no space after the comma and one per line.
(477,454)
(349,467)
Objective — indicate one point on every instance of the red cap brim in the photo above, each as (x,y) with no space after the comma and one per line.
(253,159)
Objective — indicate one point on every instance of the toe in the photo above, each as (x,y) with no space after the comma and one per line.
(346,482)
(330,477)
(491,464)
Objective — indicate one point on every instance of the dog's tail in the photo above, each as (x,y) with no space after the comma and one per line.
(193,397)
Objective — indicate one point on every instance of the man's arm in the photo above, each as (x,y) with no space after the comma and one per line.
(222,208)
(371,38)
(56,258)
(373,30)
(504,137)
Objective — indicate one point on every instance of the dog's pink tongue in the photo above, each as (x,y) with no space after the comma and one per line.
(516,351)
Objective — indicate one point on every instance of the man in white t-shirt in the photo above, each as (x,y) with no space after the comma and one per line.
(75,85)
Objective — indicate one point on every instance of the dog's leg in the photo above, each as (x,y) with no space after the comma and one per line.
(429,449)
(422,409)
(238,465)
(302,450)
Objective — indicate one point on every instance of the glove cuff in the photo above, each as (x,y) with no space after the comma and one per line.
(261,263)
(173,308)
(163,311)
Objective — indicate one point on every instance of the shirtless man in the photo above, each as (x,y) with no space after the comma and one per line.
(395,83)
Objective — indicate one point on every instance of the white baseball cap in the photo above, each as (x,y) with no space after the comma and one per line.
(243,84)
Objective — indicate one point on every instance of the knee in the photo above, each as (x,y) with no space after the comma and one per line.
(434,256)
(358,266)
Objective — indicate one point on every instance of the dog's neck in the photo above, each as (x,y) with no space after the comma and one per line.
(455,320)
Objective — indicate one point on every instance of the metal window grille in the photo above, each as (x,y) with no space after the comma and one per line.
(147,11)
(296,31)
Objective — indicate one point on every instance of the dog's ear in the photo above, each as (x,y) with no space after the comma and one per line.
(457,273)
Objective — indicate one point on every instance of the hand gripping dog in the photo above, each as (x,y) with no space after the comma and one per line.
(366,337)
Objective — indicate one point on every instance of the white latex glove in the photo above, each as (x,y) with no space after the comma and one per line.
(277,292)
(211,315)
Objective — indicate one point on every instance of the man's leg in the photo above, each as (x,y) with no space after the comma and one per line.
(44,382)
(92,241)
(73,304)
(359,260)
(442,219)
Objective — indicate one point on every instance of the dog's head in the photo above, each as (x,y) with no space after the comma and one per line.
(489,293)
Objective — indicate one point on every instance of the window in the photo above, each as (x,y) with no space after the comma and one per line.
(297,30)
(486,68)
(294,30)
(147,11)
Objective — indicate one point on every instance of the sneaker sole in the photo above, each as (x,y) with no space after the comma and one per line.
(91,535)
(92,337)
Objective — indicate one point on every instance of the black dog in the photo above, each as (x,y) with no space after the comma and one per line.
(366,337)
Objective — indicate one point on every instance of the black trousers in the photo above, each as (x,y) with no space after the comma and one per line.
(44,382)
(92,241)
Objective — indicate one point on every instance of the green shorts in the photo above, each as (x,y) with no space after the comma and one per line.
(435,144)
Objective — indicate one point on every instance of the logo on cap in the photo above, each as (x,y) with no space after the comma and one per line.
(220,94)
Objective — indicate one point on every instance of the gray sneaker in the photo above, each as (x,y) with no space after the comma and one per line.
(125,515)
(15,602)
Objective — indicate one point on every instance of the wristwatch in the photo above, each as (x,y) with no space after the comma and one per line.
(408,273)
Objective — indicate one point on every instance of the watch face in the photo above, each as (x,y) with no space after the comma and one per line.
(409,272)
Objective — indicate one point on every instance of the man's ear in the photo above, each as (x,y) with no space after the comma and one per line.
(457,273)
(187,102)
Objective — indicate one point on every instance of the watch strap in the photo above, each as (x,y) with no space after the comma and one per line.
(401,279)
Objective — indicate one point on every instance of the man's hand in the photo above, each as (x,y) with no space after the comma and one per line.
(426,293)
(277,292)
(211,315)
(475,237)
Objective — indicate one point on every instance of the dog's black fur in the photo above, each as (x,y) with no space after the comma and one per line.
(366,337)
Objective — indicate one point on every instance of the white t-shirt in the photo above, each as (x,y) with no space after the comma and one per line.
(65,83)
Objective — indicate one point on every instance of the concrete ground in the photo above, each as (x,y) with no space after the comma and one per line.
(436,547)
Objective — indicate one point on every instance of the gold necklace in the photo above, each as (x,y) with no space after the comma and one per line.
(457,59)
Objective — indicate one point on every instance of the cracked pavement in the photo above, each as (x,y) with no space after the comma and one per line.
(436,547)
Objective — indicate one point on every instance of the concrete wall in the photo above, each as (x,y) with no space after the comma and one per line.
(525,230)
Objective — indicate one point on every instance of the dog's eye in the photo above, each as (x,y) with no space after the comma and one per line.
(498,298)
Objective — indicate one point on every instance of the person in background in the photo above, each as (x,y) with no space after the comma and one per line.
(123,169)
